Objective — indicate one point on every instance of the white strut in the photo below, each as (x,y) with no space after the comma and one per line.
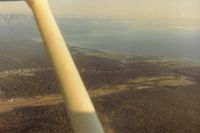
(77,101)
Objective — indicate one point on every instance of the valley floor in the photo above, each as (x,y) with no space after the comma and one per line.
(132,94)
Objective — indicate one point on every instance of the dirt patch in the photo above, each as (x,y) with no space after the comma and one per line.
(7,105)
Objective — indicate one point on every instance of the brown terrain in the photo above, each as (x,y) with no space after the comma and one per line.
(132,94)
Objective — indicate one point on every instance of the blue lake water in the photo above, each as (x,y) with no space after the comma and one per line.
(136,38)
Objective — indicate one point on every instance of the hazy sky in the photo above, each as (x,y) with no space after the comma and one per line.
(117,9)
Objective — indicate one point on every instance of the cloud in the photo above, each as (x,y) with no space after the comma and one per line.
(186,28)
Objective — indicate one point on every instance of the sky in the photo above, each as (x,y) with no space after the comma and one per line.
(178,10)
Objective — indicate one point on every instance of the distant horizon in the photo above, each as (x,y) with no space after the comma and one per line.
(142,20)
(131,36)
(150,10)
